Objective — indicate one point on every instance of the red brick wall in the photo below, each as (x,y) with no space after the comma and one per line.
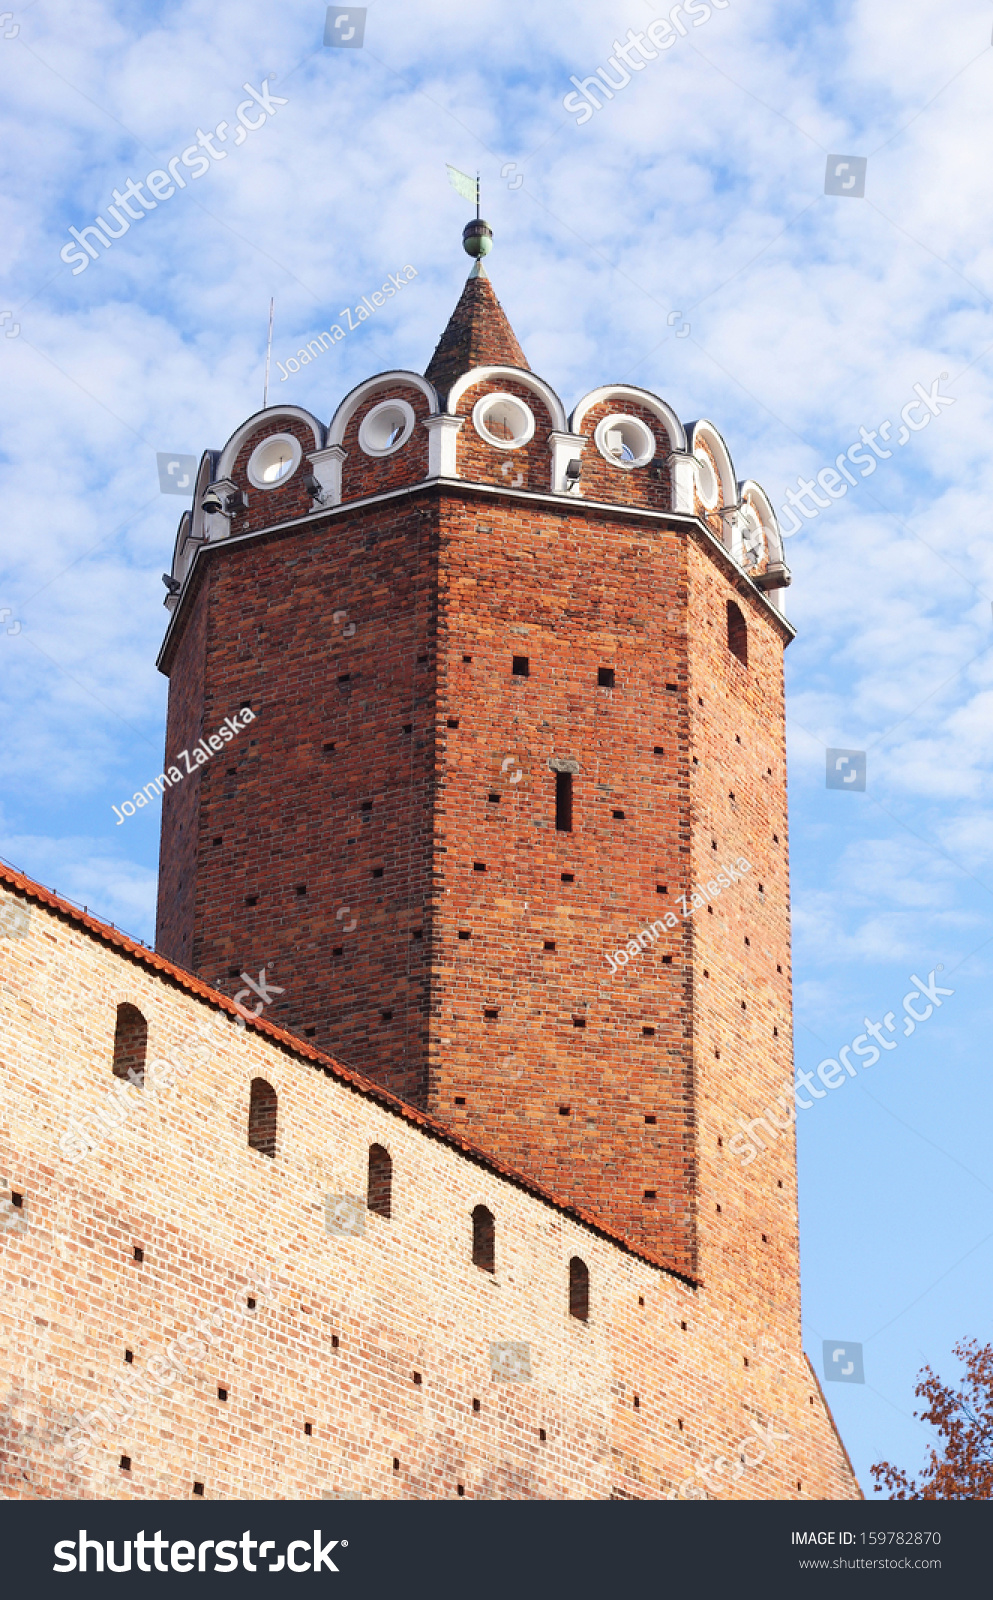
(480,462)
(341,1323)
(572,595)
(292,815)
(365,475)
(647,487)
(743,946)
(283,501)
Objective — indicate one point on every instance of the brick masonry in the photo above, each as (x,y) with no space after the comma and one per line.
(630,1403)
(478,334)
(345,852)
(286,852)
(650,489)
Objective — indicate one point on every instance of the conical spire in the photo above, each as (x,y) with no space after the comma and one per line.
(478,335)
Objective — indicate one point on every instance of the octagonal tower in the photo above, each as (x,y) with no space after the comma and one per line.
(507,831)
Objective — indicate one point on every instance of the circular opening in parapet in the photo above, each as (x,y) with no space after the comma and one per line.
(386,428)
(707,484)
(503,421)
(625,441)
(274,460)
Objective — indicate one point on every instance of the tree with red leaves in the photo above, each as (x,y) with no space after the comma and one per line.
(964,1419)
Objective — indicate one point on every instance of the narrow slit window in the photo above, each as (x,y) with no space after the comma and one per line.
(737,633)
(522,667)
(379,1196)
(130,1045)
(262,1118)
(579,1289)
(483,1239)
(563,802)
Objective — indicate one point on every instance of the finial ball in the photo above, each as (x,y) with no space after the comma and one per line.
(477,238)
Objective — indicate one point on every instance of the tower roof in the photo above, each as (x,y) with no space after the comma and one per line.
(478,335)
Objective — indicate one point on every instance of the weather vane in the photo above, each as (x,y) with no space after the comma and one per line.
(477,237)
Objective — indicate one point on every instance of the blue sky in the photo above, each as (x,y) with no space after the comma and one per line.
(698,190)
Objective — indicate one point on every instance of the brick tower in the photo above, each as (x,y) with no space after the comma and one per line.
(475,766)
(508,828)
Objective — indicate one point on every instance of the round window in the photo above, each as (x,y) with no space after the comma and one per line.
(274,460)
(386,427)
(707,484)
(625,441)
(503,420)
